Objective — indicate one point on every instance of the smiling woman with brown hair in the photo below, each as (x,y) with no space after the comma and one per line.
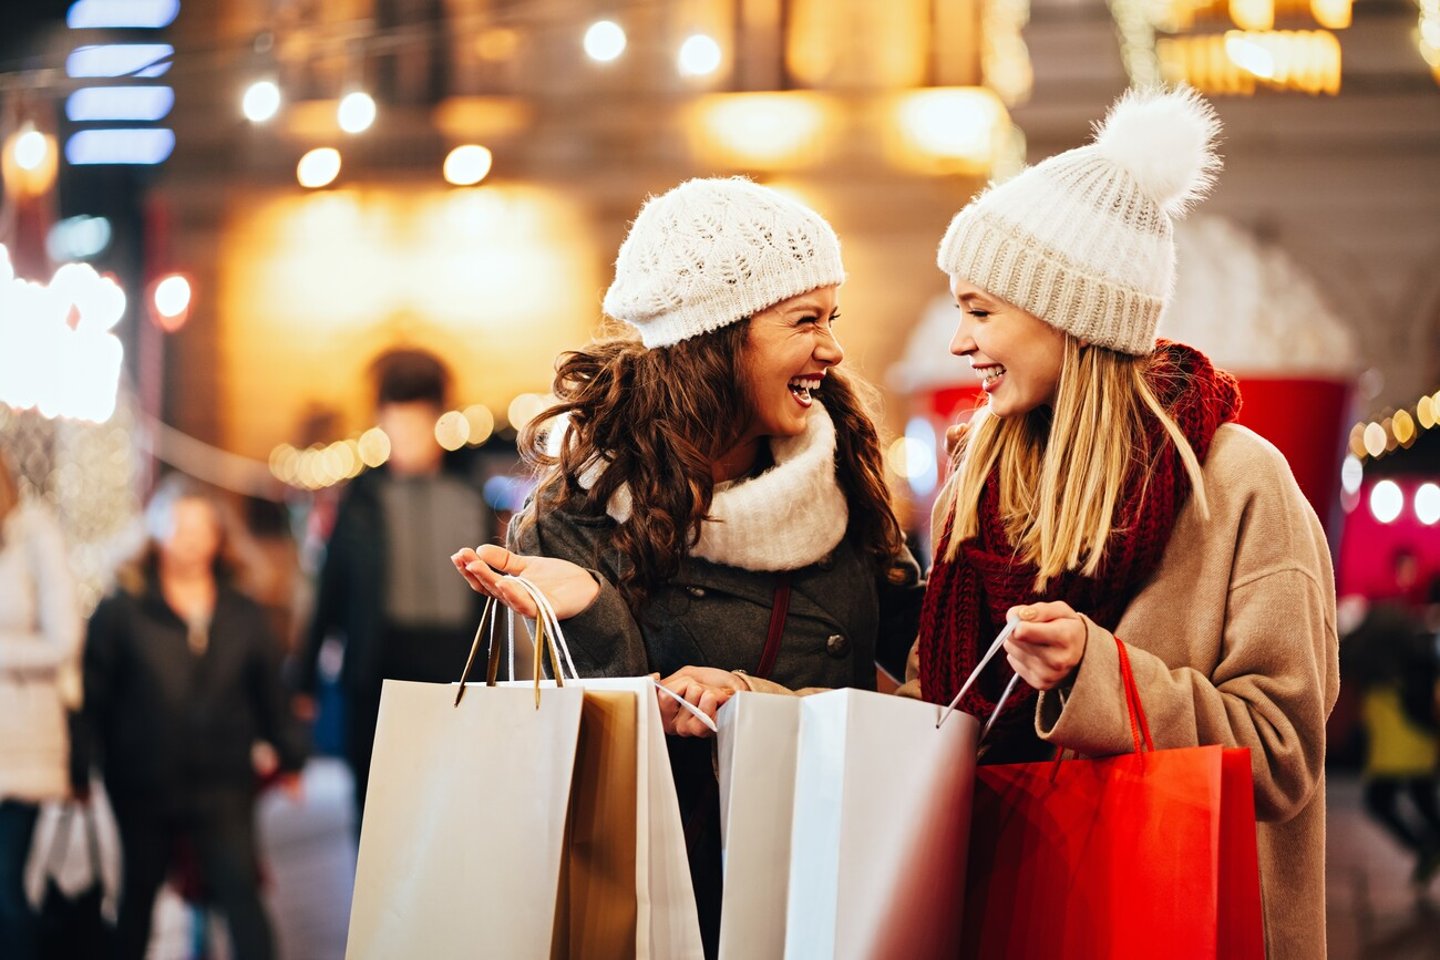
(716,507)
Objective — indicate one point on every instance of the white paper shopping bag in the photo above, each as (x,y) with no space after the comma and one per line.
(464,823)
(757,741)
(880,827)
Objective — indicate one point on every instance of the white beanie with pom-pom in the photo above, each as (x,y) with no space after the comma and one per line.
(1084,240)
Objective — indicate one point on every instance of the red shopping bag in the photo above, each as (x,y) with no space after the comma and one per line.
(1142,855)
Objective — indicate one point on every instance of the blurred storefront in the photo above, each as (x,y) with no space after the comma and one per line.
(332,180)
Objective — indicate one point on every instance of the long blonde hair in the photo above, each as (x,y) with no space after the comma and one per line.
(1062,473)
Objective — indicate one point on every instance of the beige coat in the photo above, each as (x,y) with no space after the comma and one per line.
(1232,642)
(40,634)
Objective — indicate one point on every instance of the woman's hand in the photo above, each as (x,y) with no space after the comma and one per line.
(706,687)
(569,588)
(1047,644)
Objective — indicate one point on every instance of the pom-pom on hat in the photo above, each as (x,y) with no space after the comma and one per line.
(1085,239)
(710,253)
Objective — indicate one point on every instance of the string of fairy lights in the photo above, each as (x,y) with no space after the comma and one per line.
(324,465)
(1373,440)
(698,56)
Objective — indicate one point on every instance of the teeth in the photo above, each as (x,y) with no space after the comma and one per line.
(802,387)
(991,373)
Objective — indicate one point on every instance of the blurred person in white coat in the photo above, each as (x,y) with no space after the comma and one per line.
(40,635)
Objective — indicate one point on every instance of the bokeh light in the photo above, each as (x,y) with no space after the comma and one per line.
(700,56)
(261,101)
(467,165)
(452,430)
(318,168)
(172,296)
(1386,501)
(1427,504)
(604,41)
(356,112)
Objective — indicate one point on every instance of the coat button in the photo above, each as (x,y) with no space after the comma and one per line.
(837,645)
(695,591)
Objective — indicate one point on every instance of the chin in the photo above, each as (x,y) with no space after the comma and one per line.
(784,428)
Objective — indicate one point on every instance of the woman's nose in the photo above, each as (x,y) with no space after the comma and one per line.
(962,342)
(828,349)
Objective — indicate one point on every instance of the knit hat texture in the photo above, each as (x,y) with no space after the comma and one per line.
(1085,239)
(710,253)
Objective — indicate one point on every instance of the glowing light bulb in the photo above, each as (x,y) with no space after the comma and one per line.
(261,101)
(1386,501)
(604,41)
(356,112)
(318,168)
(468,165)
(699,56)
(31,148)
(172,295)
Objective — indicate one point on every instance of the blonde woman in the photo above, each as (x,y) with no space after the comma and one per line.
(1105,491)
(40,631)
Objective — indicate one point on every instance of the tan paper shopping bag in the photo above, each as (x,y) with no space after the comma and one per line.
(666,925)
(597,908)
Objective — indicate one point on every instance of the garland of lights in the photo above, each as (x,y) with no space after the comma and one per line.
(1398,431)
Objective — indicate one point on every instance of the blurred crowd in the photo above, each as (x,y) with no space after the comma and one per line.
(204,678)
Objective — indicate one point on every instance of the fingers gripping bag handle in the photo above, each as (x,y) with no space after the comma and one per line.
(548,639)
(546,615)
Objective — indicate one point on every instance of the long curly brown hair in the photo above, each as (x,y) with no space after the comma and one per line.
(660,418)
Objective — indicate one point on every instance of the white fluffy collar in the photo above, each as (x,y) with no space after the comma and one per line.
(788,517)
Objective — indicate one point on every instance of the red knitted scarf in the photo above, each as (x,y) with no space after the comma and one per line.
(966,600)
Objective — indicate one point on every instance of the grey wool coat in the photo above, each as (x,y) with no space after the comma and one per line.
(844,611)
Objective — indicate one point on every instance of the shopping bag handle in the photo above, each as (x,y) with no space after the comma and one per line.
(686,705)
(547,639)
(995,647)
(1139,724)
(1135,711)
(545,610)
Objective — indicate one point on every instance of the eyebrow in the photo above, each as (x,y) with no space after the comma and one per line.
(810,306)
(971,297)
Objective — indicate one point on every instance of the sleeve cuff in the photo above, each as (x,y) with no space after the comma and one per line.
(1094,719)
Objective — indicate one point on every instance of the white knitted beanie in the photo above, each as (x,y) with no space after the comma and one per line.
(711,252)
(1084,240)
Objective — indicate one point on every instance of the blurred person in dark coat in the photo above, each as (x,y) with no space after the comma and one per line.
(40,631)
(1391,657)
(386,589)
(182,678)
